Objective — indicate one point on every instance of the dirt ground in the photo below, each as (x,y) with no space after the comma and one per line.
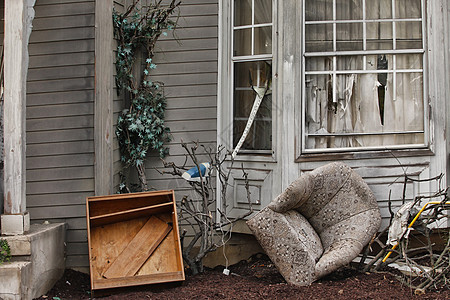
(254,279)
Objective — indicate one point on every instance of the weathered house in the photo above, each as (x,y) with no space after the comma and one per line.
(363,82)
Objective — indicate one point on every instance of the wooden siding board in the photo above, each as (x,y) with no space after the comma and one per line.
(190,114)
(56,9)
(185,68)
(60,47)
(86,83)
(38,175)
(36,150)
(44,200)
(197,21)
(188,91)
(65,72)
(60,110)
(59,97)
(66,34)
(189,44)
(194,9)
(191,33)
(38,137)
(60,186)
(186,79)
(187,55)
(58,161)
(48,213)
(84,121)
(64,21)
(192,102)
(65,59)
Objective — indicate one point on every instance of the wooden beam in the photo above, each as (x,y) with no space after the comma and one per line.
(16,65)
(103,127)
(18,19)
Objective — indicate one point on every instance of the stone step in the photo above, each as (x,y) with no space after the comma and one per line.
(37,263)
(13,279)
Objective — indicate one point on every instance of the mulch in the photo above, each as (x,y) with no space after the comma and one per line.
(256,278)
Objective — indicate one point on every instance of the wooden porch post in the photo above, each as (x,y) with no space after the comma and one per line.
(103,126)
(18,17)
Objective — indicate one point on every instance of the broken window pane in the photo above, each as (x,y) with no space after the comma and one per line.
(366,99)
(252,78)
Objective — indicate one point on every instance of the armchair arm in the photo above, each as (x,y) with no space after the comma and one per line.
(297,193)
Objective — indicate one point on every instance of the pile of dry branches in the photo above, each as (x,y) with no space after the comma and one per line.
(427,266)
(209,230)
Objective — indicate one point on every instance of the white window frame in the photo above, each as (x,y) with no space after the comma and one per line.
(334,54)
(226,62)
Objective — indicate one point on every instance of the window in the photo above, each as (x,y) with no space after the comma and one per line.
(363,75)
(252,74)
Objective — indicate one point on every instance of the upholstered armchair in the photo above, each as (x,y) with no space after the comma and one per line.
(319,223)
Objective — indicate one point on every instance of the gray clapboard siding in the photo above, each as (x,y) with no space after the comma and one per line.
(60,115)
(78,172)
(186,68)
(45,200)
(60,9)
(60,110)
(60,97)
(193,102)
(72,46)
(67,84)
(63,59)
(62,34)
(65,72)
(64,21)
(60,123)
(197,21)
(189,45)
(67,211)
(60,148)
(57,161)
(186,56)
(67,135)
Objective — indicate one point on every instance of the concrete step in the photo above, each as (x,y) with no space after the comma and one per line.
(13,275)
(38,262)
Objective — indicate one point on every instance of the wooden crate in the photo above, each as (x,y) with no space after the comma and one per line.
(133,240)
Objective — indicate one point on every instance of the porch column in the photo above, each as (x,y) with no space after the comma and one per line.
(18,17)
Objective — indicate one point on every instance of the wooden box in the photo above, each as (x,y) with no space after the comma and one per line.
(133,240)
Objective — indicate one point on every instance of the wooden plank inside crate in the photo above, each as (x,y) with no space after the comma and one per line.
(139,249)
(109,218)
(165,258)
(101,205)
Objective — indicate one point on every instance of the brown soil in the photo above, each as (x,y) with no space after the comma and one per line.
(253,279)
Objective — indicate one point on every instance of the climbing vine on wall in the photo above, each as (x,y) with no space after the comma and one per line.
(141,127)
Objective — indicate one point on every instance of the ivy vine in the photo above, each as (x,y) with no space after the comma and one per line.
(5,251)
(141,127)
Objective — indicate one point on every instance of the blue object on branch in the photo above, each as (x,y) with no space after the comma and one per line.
(193,174)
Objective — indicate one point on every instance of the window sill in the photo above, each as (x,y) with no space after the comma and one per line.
(310,157)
